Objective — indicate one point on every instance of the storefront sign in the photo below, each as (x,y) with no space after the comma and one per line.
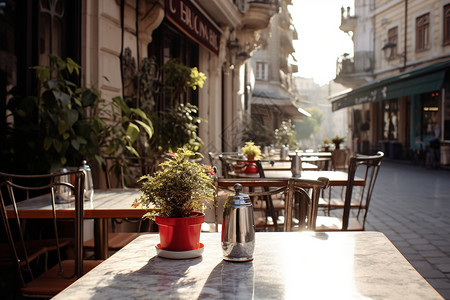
(371,95)
(188,18)
(415,82)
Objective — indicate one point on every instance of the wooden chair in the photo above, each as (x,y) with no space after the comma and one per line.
(304,206)
(37,280)
(259,191)
(274,205)
(367,167)
(339,158)
(213,159)
(115,171)
(226,166)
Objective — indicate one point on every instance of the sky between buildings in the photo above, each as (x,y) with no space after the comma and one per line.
(320,42)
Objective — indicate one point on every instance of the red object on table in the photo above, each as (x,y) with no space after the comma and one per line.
(180,234)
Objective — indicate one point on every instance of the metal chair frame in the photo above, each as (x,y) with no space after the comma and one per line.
(372,165)
(308,190)
(47,184)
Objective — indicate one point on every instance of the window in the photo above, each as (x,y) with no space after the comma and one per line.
(447,24)
(430,116)
(423,32)
(393,39)
(390,120)
(262,71)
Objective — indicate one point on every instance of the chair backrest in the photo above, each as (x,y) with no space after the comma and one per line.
(34,191)
(339,159)
(261,189)
(260,169)
(305,202)
(213,158)
(114,173)
(367,167)
(118,170)
(226,166)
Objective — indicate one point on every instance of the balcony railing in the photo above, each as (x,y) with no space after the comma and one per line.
(352,71)
(348,22)
(362,62)
(259,12)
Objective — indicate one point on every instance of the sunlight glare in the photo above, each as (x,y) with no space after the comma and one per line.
(320,41)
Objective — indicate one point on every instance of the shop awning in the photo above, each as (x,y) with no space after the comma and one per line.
(283,103)
(423,80)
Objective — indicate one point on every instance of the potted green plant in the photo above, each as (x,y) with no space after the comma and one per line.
(180,191)
(60,126)
(337,140)
(177,125)
(326,144)
(285,135)
(252,152)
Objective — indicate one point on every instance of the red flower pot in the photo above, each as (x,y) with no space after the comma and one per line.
(251,166)
(180,234)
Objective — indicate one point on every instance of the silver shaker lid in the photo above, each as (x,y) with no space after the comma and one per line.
(238,198)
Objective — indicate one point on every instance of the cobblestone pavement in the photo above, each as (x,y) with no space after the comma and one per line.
(411,206)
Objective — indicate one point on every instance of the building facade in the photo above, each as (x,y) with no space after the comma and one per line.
(400,102)
(110,38)
(273,94)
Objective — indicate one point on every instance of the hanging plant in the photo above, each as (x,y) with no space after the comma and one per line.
(60,126)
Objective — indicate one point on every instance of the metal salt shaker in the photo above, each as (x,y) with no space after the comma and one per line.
(284,152)
(88,183)
(296,165)
(238,227)
(63,193)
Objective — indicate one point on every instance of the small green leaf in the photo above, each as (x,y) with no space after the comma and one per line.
(72,117)
(62,126)
(132,151)
(57,145)
(21,113)
(63,97)
(71,66)
(147,128)
(52,84)
(88,98)
(47,143)
(81,140)
(132,132)
(122,105)
(141,114)
(75,144)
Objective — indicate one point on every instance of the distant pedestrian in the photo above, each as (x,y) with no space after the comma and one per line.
(435,147)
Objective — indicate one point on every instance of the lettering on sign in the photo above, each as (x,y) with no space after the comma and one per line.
(189,19)
(366,97)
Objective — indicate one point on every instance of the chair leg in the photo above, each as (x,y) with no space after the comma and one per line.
(329,201)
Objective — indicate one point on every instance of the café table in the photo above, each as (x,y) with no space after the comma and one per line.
(106,204)
(286,166)
(337,178)
(286,265)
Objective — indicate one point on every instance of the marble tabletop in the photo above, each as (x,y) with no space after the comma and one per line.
(286,265)
(337,178)
(114,203)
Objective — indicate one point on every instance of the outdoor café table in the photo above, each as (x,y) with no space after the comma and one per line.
(337,178)
(285,166)
(114,203)
(286,265)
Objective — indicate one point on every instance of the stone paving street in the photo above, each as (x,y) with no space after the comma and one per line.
(411,206)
